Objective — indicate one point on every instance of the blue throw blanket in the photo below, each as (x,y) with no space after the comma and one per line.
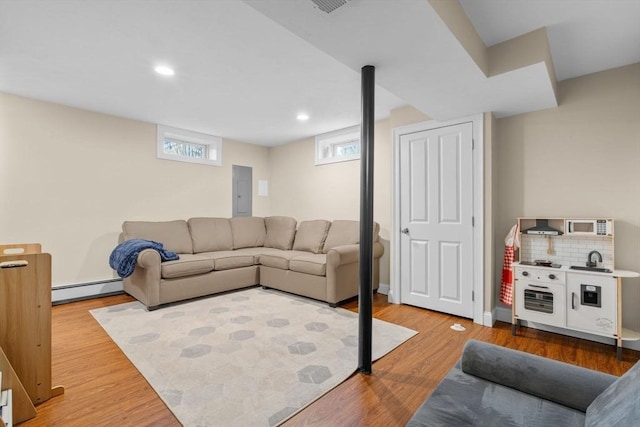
(124,256)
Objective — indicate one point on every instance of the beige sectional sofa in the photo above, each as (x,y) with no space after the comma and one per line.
(318,259)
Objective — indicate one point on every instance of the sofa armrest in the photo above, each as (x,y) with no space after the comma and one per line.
(144,283)
(149,258)
(349,254)
(378,250)
(548,379)
(346,254)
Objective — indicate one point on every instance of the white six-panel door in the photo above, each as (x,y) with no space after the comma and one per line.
(436,211)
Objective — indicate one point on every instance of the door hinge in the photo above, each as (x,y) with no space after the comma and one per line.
(473,296)
(473,221)
(473,144)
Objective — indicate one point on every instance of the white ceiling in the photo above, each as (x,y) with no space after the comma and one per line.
(245,69)
(585,36)
(416,56)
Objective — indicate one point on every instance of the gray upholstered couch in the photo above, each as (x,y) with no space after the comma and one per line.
(496,386)
(317,259)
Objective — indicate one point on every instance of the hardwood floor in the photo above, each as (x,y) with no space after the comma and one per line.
(103,388)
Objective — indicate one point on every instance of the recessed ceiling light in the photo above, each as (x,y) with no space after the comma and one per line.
(302,117)
(164,70)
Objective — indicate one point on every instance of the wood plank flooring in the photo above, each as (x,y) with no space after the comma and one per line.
(102,388)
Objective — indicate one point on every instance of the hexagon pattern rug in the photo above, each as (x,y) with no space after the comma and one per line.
(248,358)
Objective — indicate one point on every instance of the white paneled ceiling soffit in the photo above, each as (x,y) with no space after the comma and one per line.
(427,53)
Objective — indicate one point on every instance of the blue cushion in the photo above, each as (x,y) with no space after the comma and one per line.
(619,404)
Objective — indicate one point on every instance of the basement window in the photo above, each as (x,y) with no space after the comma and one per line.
(189,146)
(338,146)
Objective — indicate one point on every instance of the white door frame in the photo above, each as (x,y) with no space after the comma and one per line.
(478,204)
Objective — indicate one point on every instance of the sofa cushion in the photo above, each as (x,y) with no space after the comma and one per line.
(342,232)
(210,234)
(311,235)
(281,231)
(548,379)
(174,235)
(315,264)
(187,265)
(465,400)
(279,260)
(619,404)
(345,232)
(248,232)
(226,260)
(256,253)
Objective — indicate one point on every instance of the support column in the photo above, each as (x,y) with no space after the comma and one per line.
(365,298)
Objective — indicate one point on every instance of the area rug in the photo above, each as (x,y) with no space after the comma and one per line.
(248,358)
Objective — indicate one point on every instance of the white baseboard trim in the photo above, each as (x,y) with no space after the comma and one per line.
(81,291)
(391,297)
(384,288)
(504,315)
(489,318)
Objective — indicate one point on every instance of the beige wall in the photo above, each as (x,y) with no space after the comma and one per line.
(581,159)
(70,177)
(65,182)
(490,207)
(405,116)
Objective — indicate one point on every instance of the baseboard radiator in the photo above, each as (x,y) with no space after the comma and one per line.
(104,288)
(83,291)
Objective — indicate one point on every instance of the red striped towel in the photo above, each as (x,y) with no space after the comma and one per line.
(512,243)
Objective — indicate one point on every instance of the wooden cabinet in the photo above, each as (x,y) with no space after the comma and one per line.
(555,248)
(25,321)
(583,302)
(592,304)
(23,408)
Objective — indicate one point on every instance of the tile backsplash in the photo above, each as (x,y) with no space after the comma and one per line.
(567,250)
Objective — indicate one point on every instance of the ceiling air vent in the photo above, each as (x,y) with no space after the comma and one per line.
(329,6)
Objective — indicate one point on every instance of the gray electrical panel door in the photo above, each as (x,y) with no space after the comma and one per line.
(242,191)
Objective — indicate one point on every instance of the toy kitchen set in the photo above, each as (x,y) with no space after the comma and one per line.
(565,276)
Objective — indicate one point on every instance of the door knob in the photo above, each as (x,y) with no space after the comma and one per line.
(404,231)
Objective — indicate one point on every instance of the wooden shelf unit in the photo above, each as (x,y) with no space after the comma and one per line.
(561,225)
(25,324)
(23,408)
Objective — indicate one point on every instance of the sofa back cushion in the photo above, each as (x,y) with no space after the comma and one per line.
(210,234)
(174,235)
(619,404)
(281,231)
(549,379)
(311,236)
(248,232)
(345,232)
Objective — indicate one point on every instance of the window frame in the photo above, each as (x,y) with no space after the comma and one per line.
(331,140)
(213,144)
